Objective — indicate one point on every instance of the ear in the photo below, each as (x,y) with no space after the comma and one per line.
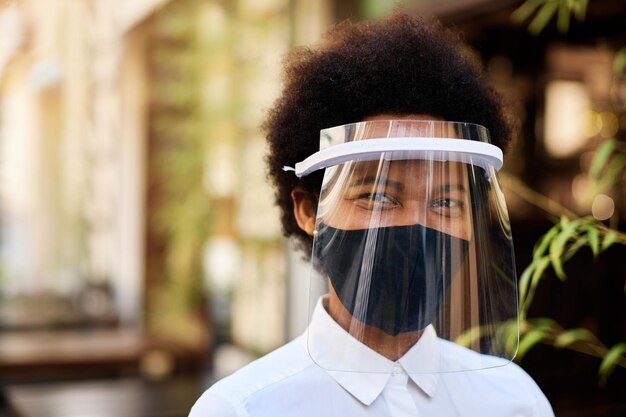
(304,210)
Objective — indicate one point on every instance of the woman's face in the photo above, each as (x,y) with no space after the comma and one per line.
(399,192)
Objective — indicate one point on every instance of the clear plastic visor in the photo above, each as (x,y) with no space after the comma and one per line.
(413,260)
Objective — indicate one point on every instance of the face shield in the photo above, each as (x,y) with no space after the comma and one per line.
(413,247)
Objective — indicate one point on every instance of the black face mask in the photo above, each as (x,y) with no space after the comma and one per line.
(412,267)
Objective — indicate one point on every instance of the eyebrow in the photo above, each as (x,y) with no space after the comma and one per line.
(372,180)
(449,187)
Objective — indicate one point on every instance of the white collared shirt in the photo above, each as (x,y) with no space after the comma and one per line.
(287,382)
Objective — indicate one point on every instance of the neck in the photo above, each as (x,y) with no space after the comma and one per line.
(391,347)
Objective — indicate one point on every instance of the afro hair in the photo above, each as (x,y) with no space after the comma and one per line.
(400,65)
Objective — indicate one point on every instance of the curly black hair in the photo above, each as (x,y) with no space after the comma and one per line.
(400,65)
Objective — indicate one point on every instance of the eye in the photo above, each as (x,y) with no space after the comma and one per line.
(446,202)
(376,201)
(448,207)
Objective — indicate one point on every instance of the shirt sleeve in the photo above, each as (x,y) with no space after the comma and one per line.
(214,405)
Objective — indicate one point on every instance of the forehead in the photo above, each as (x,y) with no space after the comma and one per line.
(410,170)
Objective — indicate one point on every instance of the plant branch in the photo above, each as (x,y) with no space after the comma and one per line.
(583,342)
(536,199)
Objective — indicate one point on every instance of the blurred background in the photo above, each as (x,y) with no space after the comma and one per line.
(141,257)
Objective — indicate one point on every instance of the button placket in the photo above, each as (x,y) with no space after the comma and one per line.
(397,395)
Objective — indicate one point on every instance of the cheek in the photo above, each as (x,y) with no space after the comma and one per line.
(348,215)
(351,221)
(460,227)
(341,215)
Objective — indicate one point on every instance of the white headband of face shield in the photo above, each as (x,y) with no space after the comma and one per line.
(471,152)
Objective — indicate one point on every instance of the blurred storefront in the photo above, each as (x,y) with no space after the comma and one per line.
(137,229)
(73,139)
(74,149)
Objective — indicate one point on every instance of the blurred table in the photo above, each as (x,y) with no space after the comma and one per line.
(128,397)
(70,354)
(28,356)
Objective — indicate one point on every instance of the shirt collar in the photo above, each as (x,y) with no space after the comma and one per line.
(342,357)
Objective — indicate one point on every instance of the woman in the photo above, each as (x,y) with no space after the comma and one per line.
(399,210)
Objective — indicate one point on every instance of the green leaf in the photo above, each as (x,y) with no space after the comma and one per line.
(580,9)
(572,249)
(470,336)
(611,174)
(530,339)
(601,157)
(610,360)
(562,22)
(524,281)
(557,265)
(508,332)
(588,220)
(539,270)
(572,336)
(619,62)
(525,10)
(532,274)
(543,17)
(543,322)
(558,244)
(543,244)
(529,281)
(609,239)
(594,240)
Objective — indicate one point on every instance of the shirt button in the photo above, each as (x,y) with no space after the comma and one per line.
(397,370)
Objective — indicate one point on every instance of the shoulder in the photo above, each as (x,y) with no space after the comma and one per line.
(522,387)
(272,374)
(506,384)
(211,404)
